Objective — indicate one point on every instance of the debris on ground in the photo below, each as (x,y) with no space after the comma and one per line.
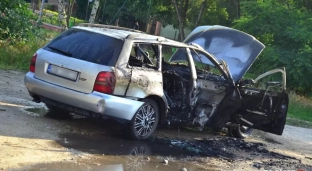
(225,149)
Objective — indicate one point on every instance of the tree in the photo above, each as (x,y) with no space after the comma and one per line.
(62,14)
(15,20)
(285,28)
(181,7)
(203,6)
(191,15)
(34,5)
(94,11)
(69,10)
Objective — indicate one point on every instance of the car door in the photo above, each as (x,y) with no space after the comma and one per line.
(145,73)
(213,96)
(265,102)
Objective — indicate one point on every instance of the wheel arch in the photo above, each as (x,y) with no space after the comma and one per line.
(162,104)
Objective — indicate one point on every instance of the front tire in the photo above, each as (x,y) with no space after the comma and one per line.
(239,131)
(145,121)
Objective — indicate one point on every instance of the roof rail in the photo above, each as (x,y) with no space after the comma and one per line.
(109,27)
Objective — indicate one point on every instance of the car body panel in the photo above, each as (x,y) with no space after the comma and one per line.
(136,82)
(87,71)
(236,48)
(143,84)
(94,102)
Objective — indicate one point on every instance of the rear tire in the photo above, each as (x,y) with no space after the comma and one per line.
(239,131)
(145,121)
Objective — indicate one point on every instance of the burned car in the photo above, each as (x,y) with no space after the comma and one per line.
(144,80)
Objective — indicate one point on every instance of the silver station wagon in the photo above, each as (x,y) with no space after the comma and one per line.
(143,80)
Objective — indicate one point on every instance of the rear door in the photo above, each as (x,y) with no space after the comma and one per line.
(265,102)
(144,69)
(74,59)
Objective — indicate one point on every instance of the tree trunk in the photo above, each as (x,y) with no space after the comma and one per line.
(34,5)
(41,11)
(69,10)
(62,14)
(184,12)
(94,11)
(180,19)
(117,22)
(202,8)
(237,9)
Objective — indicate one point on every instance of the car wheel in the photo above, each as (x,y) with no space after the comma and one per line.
(57,113)
(145,121)
(239,131)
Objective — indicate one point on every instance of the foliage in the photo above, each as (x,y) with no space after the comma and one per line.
(15,20)
(126,12)
(215,13)
(190,14)
(17,56)
(51,17)
(300,107)
(285,28)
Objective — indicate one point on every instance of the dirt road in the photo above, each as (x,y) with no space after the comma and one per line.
(30,139)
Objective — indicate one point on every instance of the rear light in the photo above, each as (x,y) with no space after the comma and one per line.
(105,82)
(33,63)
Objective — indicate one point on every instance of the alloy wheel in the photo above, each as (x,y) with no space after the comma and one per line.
(145,120)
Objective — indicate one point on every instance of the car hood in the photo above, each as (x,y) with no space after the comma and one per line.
(238,49)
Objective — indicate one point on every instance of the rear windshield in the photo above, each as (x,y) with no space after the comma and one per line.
(87,46)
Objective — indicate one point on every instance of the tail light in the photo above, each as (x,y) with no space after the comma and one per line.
(105,82)
(33,63)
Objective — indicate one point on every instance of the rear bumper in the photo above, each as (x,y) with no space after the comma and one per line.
(95,102)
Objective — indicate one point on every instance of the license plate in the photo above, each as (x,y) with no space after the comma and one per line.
(62,72)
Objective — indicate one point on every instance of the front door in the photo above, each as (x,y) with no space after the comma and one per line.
(265,102)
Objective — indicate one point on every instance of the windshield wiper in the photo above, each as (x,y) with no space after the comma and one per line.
(60,51)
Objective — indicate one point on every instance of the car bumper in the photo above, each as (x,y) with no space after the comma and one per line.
(95,102)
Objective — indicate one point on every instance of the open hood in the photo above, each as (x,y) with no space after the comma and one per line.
(238,49)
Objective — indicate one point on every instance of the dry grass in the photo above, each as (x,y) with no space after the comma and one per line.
(300,107)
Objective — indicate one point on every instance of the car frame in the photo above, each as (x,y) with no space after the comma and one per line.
(142,88)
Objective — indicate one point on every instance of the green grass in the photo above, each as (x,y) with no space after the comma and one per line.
(300,108)
(17,56)
(299,123)
(51,17)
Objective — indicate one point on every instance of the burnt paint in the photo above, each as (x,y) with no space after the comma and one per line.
(227,107)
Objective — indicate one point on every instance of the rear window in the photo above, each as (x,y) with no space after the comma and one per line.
(87,46)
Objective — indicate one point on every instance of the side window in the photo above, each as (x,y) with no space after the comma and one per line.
(144,55)
(173,54)
(271,82)
(203,64)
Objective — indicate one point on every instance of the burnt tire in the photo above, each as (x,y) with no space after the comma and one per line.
(145,121)
(239,131)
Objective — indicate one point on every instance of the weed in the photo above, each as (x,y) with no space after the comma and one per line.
(17,56)
(300,107)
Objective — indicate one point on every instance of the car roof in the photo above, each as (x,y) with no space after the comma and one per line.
(124,33)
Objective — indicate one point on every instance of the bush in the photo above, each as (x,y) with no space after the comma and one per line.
(51,17)
(17,56)
(15,21)
(286,31)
